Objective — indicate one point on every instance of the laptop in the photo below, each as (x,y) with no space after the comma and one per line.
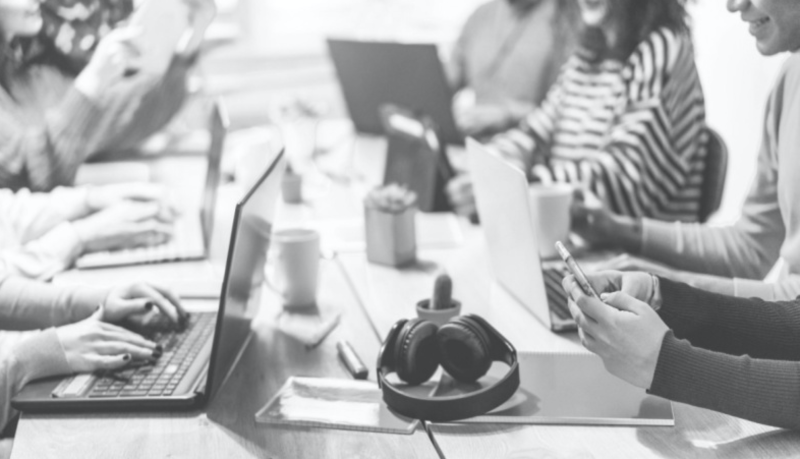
(192,228)
(196,360)
(374,73)
(416,158)
(501,195)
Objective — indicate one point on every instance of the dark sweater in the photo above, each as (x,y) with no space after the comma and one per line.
(733,355)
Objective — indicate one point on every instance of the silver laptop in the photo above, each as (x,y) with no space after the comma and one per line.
(197,359)
(191,230)
(501,193)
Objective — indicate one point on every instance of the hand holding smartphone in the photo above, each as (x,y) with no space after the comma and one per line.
(576,271)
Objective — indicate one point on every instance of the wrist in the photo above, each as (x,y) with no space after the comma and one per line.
(625,232)
(89,84)
(82,232)
(89,205)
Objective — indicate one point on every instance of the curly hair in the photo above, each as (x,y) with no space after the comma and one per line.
(635,20)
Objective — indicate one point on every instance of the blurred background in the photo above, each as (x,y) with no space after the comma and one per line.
(273,52)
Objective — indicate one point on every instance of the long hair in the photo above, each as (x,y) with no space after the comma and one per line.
(635,20)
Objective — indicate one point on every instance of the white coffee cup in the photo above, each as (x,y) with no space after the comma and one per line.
(294,266)
(550,211)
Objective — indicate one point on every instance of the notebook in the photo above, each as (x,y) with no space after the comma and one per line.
(334,404)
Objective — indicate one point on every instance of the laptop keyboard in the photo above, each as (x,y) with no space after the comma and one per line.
(185,242)
(556,296)
(173,249)
(160,378)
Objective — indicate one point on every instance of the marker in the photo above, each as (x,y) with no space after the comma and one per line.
(576,271)
(351,360)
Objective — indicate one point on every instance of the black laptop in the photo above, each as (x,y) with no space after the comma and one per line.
(197,359)
(374,73)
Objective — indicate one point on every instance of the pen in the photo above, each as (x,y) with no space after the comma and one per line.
(576,271)
(351,360)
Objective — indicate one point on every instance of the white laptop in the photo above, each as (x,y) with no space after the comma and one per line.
(191,230)
(501,193)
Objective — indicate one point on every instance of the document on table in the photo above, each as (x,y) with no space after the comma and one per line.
(334,404)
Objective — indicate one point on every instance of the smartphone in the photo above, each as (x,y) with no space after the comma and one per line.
(576,271)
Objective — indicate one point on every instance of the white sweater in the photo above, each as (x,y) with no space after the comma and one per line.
(769,229)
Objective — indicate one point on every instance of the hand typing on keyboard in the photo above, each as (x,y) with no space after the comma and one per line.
(124,225)
(142,306)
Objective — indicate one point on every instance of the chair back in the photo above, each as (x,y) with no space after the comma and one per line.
(714,175)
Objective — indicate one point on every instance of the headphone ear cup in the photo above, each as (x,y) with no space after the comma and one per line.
(464,349)
(416,352)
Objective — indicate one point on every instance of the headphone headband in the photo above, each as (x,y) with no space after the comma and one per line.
(451,408)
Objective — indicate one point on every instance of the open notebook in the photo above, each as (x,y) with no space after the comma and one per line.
(334,404)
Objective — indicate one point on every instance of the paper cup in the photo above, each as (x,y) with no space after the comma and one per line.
(550,212)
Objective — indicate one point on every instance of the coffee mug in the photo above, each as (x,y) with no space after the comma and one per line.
(550,209)
(293,266)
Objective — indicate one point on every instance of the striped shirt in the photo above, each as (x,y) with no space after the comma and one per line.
(632,132)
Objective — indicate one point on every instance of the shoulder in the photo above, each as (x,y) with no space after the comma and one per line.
(659,53)
(786,91)
(483,14)
(790,72)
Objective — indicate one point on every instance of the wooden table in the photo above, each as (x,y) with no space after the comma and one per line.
(390,294)
(227,428)
(371,298)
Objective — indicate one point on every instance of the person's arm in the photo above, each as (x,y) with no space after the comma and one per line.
(141,106)
(751,247)
(28,216)
(28,304)
(732,325)
(38,239)
(763,391)
(45,155)
(747,249)
(455,67)
(26,356)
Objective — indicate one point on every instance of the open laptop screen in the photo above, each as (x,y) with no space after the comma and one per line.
(244,272)
(410,75)
(218,129)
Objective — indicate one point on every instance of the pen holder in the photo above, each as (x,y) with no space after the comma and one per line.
(390,231)
(438,316)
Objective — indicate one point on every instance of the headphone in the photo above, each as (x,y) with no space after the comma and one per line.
(465,347)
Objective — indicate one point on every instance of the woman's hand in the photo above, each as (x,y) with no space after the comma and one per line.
(625,332)
(635,284)
(139,303)
(116,54)
(461,195)
(91,345)
(595,223)
(482,119)
(626,262)
(201,14)
(124,225)
(105,196)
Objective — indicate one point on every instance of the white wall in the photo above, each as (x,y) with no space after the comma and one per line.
(736,80)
